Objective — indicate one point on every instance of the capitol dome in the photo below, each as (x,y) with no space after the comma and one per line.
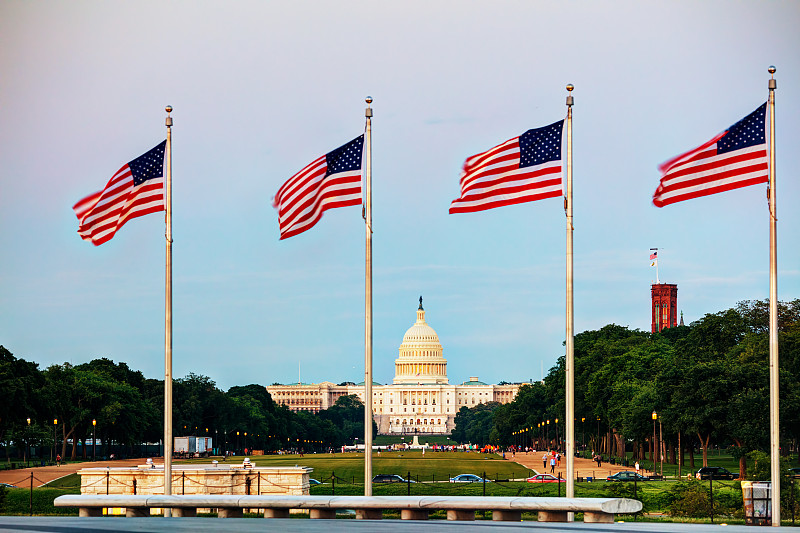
(420,359)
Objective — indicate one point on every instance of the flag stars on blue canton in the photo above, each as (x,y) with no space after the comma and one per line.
(540,145)
(750,131)
(345,158)
(149,165)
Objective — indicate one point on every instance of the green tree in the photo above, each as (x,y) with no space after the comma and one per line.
(20,382)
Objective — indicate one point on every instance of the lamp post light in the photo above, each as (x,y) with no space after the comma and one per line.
(27,444)
(583,430)
(558,440)
(661,446)
(94,440)
(55,423)
(653,456)
(237,442)
(547,435)
(597,444)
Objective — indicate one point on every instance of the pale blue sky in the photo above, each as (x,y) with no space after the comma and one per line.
(262,88)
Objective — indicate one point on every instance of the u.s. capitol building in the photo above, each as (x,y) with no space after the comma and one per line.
(420,399)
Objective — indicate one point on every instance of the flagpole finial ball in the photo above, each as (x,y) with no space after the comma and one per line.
(772,69)
(168,109)
(368,99)
(570,87)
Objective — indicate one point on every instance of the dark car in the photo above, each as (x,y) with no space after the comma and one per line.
(467,478)
(794,472)
(627,475)
(715,472)
(389,478)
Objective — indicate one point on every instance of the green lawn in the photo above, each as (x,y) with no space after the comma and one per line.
(432,466)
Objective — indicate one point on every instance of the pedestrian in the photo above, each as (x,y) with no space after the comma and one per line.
(636,466)
(558,458)
(552,465)
(544,461)
(58,459)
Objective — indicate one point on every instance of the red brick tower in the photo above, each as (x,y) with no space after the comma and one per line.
(664,309)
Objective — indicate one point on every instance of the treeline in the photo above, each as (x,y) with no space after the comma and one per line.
(707,382)
(61,402)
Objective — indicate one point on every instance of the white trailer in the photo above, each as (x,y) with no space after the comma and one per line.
(193,446)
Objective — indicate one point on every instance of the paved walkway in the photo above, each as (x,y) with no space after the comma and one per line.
(583,467)
(45,474)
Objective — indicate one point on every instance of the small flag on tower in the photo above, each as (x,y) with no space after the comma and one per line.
(653,259)
(522,169)
(333,180)
(735,158)
(136,189)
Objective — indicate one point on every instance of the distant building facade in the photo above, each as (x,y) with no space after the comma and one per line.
(420,399)
(664,306)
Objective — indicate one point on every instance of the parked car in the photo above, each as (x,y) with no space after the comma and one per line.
(627,475)
(715,472)
(467,478)
(794,472)
(545,478)
(312,481)
(390,478)
(8,485)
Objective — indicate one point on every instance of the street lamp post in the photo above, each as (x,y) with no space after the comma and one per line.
(27,445)
(597,444)
(558,439)
(655,417)
(583,430)
(547,434)
(661,446)
(55,423)
(94,440)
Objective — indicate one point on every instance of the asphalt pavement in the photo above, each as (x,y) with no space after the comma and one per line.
(19,524)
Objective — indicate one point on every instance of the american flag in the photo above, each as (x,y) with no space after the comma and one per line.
(735,158)
(333,180)
(522,169)
(135,190)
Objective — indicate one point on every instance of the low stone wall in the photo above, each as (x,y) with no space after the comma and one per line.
(215,479)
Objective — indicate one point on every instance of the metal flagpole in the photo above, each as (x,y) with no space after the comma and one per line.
(774,413)
(368,305)
(168,323)
(656,251)
(570,356)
